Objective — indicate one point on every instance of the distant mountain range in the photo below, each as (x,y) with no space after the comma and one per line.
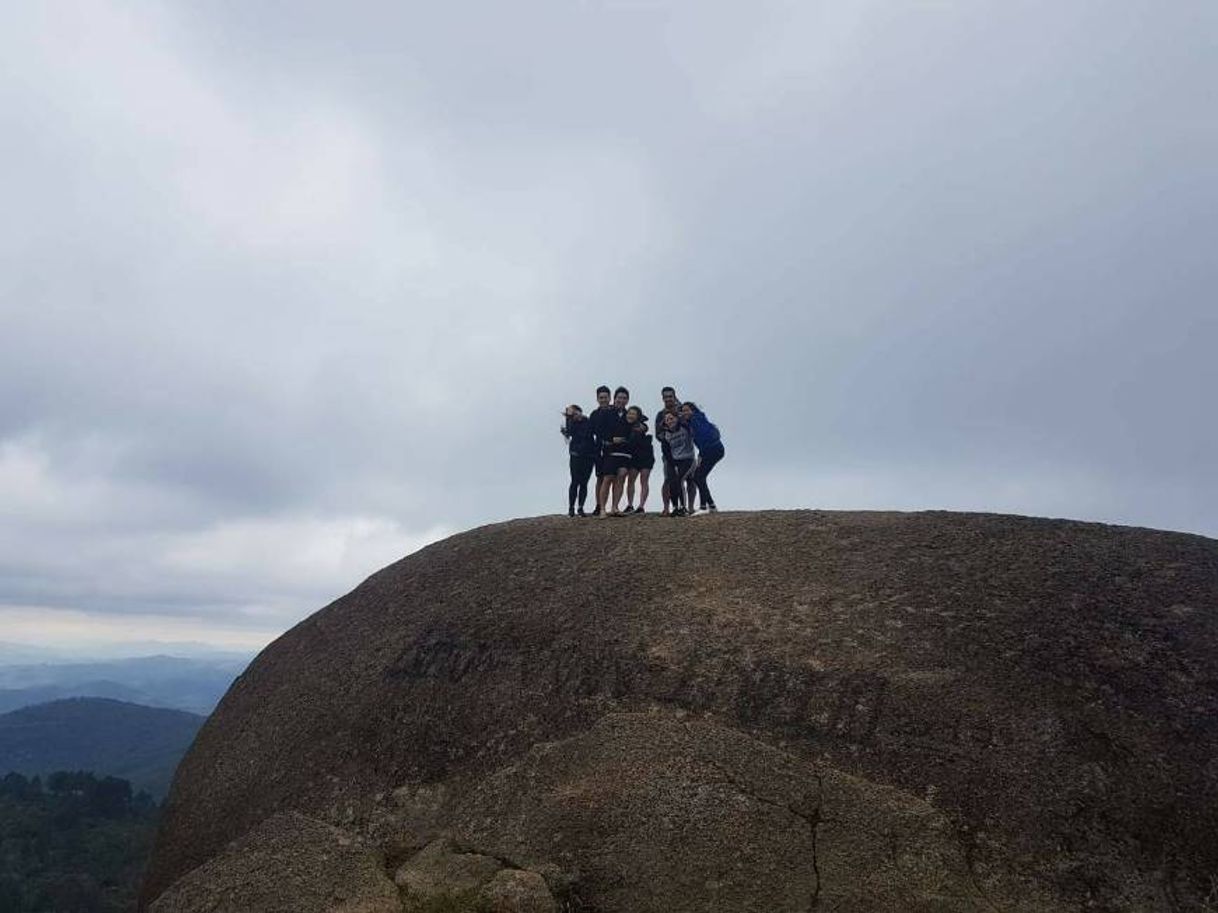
(192,684)
(108,737)
(17,653)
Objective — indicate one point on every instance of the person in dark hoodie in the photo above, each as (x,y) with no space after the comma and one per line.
(598,424)
(613,433)
(578,432)
(710,450)
(642,460)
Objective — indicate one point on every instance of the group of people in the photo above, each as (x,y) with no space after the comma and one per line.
(617,443)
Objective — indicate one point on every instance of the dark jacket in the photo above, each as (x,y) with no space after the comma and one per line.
(578,433)
(616,427)
(600,423)
(641,443)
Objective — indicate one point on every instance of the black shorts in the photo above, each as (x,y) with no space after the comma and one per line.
(599,462)
(643,461)
(613,462)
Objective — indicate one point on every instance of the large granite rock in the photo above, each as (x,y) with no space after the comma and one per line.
(752,712)
(656,811)
(287,864)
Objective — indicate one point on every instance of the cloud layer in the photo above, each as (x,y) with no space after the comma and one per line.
(286,294)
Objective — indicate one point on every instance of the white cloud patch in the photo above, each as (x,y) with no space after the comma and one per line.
(300,557)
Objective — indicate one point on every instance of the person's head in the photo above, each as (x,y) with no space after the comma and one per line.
(634,415)
(671,421)
(602,395)
(575,412)
(688,410)
(621,396)
(669,395)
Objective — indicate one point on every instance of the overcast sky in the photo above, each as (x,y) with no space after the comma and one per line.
(288,290)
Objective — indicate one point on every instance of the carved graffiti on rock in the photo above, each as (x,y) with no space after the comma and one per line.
(805,702)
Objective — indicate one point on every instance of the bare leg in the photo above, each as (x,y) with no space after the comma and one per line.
(602,492)
(618,482)
(644,487)
(664,496)
(633,474)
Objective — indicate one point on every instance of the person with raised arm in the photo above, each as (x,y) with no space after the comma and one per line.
(582,448)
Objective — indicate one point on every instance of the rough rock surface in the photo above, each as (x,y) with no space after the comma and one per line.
(517,891)
(445,876)
(439,868)
(287,864)
(656,810)
(960,711)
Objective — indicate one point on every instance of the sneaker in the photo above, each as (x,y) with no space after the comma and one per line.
(713,509)
(679,512)
(596,511)
(639,512)
(628,510)
(570,511)
(580,513)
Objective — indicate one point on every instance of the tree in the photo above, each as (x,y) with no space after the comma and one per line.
(110,798)
(10,895)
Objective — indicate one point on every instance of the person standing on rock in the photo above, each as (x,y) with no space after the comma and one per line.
(642,459)
(710,450)
(616,454)
(578,432)
(679,442)
(598,424)
(672,405)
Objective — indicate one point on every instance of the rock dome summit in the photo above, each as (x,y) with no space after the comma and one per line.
(776,711)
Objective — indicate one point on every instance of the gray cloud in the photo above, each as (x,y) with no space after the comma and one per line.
(283,296)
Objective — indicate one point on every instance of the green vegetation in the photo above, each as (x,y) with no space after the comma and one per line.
(75,843)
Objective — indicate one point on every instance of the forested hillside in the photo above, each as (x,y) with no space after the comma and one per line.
(72,843)
(140,744)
